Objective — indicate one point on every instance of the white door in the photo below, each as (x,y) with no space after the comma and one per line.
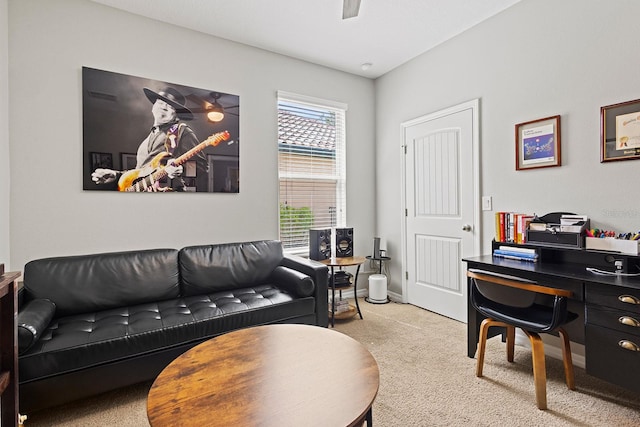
(441,195)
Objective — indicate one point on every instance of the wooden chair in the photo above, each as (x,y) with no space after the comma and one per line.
(510,302)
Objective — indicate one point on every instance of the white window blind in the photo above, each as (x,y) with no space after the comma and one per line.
(311,168)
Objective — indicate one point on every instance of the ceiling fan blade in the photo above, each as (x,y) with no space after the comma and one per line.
(350,8)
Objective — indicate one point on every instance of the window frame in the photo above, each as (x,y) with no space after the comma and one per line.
(339,173)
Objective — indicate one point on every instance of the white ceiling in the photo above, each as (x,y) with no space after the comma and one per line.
(386,33)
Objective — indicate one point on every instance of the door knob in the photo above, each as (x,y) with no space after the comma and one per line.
(466,227)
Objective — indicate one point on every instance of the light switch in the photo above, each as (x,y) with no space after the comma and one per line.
(486,203)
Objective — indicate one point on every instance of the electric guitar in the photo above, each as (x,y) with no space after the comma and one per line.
(143,179)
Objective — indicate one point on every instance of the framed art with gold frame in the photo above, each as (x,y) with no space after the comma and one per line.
(620,131)
(538,143)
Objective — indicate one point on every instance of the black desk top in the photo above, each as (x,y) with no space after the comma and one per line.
(559,270)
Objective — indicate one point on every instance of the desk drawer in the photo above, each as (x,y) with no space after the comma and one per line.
(620,320)
(607,359)
(627,299)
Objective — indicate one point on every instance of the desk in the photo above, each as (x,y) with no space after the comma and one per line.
(607,306)
(273,375)
(343,262)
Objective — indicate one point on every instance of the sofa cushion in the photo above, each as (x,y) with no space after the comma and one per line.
(89,283)
(76,342)
(212,268)
(33,319)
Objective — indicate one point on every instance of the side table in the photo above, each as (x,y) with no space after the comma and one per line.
(343,262)
(381,260)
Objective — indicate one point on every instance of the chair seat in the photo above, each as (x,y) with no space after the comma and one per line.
(538,318)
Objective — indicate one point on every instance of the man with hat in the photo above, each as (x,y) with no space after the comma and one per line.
(168,135)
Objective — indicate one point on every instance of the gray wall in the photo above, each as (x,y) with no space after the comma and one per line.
(51,215)
(538,58)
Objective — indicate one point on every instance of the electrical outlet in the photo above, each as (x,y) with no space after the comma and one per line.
(619,266)
(486,203)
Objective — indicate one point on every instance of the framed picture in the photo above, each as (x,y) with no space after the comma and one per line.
(538,143)
(101,160)
(129,161)
(620,131)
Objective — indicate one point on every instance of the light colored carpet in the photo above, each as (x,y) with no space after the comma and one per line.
(425,380)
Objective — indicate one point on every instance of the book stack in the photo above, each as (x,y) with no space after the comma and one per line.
(512,227)
(342,306)
(522,254)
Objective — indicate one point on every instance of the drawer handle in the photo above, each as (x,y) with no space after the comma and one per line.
(629,345)
(629,321)
(629,299)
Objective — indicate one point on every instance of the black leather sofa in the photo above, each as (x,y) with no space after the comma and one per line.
(92,323)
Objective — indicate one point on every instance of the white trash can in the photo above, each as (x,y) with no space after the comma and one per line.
(377,289)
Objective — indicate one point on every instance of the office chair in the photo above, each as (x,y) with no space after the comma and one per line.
(510,302)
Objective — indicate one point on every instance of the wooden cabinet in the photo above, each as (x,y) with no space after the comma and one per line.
(613,334)
(8,348)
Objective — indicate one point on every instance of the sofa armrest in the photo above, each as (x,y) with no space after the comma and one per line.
(21,298)
(33,319)
(293,281)
(320,275)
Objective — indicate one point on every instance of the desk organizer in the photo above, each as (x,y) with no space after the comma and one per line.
(553,238)
(611,244)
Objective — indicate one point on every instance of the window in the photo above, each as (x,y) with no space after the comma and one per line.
(311,168)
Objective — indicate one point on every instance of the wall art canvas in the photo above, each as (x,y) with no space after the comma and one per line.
(144,135)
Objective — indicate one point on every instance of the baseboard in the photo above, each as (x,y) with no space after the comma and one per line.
(553,348)
(393,296)
(349,293)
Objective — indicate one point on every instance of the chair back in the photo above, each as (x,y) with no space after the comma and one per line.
(506,295)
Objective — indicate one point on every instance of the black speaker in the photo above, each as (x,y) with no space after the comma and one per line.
(320,244)
(344,242)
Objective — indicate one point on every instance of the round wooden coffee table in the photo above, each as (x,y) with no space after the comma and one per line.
(274,375)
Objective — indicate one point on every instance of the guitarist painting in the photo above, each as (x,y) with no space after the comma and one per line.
(168,135)
(169,138)
(189,142)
